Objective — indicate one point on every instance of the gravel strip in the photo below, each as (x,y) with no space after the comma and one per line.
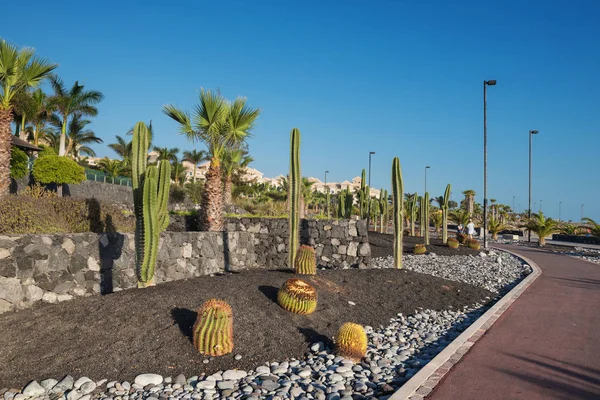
(395,352)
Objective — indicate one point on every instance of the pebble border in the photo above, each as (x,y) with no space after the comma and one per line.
(424,381)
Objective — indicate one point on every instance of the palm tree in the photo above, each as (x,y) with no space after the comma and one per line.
(542,226)
(218,124)
(164,153)
(495,226)
(595,228)
(569,229)
(123,148)
(38,116)
(113,168)
(469,200)
(307,196)
(234,160)
(79,137)
(177,170)
(195,157)
(459,216)
(69,103)
(439,200)
(436,218)
(19,70)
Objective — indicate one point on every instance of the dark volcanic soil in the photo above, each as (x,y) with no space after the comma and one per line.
(382,246)
(120,335)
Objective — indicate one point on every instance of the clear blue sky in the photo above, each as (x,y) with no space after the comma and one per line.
(400,79)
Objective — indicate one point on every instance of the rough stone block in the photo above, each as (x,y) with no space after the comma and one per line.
(11,290)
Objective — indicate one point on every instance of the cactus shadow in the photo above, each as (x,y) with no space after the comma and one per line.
(270,292)
(312,336)
(184,319)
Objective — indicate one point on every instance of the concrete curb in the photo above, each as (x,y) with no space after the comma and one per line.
(424,381)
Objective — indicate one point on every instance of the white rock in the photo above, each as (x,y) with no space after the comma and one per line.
(50,297)
(48,383)
(69,246)
(148,379)
(234,375)
(4,253)
(33,389)
(92,264)
(87,387)
(65,384)
(351,303)
(63,297)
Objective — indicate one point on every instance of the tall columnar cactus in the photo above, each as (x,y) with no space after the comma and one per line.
(351,342)
(294,196)
(421,224)
(383,210)
(150,195)
(306,261)
(297,296)
(213,330)
(398,196)
(363,197)
(375,212)
(426,218)
(413,213)
(327,202)
(345,202)
(445,214)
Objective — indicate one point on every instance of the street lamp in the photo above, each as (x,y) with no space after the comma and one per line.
(532,132)
(541,204)
(426,168)
(369,194)
(485,85)
(559,207)
(582,213)
(513,204)
(326,195)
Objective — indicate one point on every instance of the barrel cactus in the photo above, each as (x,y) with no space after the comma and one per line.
(297,296)
(474,244)
(351,342)
(452,243)
(306,261)
(213,330)
(419,249)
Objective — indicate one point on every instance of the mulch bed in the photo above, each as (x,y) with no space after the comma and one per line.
(121,335)
(382,246)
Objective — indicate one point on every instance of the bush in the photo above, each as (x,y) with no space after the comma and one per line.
(60,170)
(18,163)
(37,191)
(47,151)
(21,214)
(194,191)
(176,194)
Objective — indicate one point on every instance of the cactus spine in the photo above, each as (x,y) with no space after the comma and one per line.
(426,218)
(213,330)
(445,214)
(294,196)
(297,296)
(351,342)
(306,261)
(398,196)
(150,195)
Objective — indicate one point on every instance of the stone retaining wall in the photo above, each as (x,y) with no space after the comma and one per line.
(106,192)
(54,268)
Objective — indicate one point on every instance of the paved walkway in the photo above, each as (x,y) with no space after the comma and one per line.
(545,346)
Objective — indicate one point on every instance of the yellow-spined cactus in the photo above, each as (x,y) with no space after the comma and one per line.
(351,342)
(306,261)
(452,243)
(213,330)
(474,244)
(297,296)
(419,249)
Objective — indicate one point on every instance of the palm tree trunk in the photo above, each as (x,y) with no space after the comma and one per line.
(194,177)
(211,211)
(5,149)
(63,136)
(227,189)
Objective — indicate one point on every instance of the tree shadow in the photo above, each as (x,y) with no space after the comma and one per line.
(185,319)
(270,292)
(226,261)
(312,336)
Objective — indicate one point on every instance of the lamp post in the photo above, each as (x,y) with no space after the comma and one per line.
(541,204)
(369,194)
(582,213)
(426,168)
(559,207)
(514,205)
(532,132)
(485,85)
(326,195)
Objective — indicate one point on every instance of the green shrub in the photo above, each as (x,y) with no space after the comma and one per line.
(47,151)
(176,194)
(18,163)
(194,191)
(21,214)
(60,170)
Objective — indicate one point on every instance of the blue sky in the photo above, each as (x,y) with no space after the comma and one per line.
(398,78)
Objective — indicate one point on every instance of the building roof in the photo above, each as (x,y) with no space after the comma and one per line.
(18,142)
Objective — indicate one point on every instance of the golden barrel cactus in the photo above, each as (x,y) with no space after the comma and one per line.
(474,244)
(452,243)
(297,296)
(213,330)
(420,249)
(306,261)
(351,342)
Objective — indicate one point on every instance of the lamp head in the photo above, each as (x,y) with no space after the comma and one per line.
(491,82)
(534,132)
(427,166)
(371,152)
(326,172)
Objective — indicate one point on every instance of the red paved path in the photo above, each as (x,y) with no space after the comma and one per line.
(545,346)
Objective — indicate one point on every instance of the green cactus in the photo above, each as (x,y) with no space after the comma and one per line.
(445,214)
(351,342)
(421,224)
(297,296)
(413,213)
(419,249)
(363,198)
(375,212)
(327,202)
(294,196)
(398,196)
(306,261)
(426,218)
(213,329)
(150,195)
(345,202)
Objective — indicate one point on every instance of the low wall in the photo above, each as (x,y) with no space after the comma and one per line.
(576,239)
(106,192)
(54,268)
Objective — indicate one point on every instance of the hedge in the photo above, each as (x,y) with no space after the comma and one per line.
(60,170)
(18,163)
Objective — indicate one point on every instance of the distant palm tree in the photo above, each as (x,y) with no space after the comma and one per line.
(470,200)
(234,160)
(123,148)
(39,115)
(439,200)
(19,70)
(177,170)
(595,228)
(218,124)
(195,157)
(164,153)
(113,168)
(67,103)
(495,226)
(542,226)
(79,137)
(459,216)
